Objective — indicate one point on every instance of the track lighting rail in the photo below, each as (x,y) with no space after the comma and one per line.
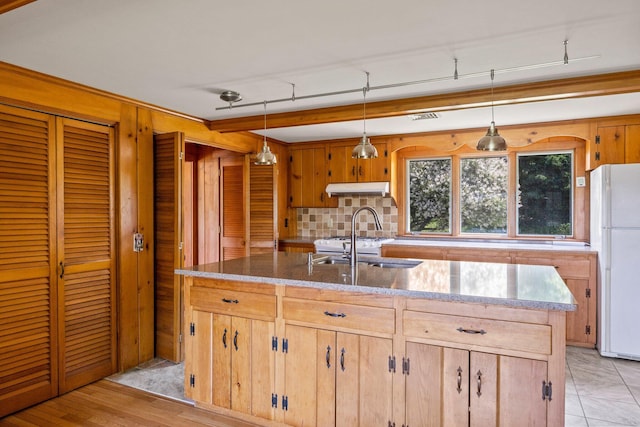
(455,76)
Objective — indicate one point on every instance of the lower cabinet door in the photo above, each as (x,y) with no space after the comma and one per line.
(520,384)
(231,364)
(337,379)
(453,387)
(437,388)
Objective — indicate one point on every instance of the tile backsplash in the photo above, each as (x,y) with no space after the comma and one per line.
(326,222)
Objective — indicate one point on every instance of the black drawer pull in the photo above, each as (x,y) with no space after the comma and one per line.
(471,331)
(328,313)
(230,301)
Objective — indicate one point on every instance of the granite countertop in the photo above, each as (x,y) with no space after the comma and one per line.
(528,286)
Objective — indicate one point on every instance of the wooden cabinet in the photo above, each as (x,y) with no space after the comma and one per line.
(291,246)
(230,361)
(344,168)
(308,171)
(332,356)
(577,269)
(615,144)
(336,378)
(488,367)
(467,386)
(303,356)
(579,273)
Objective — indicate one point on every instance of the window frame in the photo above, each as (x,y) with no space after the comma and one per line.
(580,199)
(572,195)
(451,193)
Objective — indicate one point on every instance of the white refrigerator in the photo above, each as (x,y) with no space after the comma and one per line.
(615,234)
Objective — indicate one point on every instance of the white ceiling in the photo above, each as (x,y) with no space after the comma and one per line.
(181,54)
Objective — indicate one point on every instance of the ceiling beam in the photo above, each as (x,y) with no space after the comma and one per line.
(7,5)
(576,87)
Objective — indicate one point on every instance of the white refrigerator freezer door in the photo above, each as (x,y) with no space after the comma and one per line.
(625,195)
(624,291)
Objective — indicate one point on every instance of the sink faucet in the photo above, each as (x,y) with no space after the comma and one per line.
(353,258)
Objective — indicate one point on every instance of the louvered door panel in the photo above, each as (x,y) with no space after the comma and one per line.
(86,289)
(27,323)
(167,163)
(233,242)
(262,209)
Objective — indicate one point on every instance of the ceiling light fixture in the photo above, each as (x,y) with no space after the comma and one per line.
(230,96)
(492,141)
(364,150)
(265,157)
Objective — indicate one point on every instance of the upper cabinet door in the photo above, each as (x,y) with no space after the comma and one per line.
(344,168)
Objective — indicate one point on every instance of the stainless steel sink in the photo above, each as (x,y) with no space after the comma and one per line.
(395,263)
(370,261)
(330,260)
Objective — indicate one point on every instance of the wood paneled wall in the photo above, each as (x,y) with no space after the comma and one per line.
(135,123)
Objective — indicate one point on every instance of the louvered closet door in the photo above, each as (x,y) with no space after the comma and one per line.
(27,300)
(86,284)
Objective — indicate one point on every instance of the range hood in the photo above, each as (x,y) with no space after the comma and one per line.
(358,188)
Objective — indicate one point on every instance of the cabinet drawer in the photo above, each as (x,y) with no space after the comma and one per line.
(233,303)
(528,337)
(576,267)
(336,315)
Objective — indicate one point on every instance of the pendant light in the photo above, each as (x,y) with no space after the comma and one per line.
(492,141)
(265,157)
(364,150)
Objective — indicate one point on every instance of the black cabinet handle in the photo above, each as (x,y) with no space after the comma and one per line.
(328,357)
(61,270)
(235,340)
(459,388)
(224,338)
(328,313)
(230,301)
(471,331)
(342,352)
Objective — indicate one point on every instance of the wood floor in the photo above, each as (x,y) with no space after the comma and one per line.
(106,403)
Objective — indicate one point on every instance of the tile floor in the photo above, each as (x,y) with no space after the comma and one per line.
(600,391)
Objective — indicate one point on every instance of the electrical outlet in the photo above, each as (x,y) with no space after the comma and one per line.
(580,181)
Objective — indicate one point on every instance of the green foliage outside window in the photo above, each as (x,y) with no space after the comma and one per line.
(545,194)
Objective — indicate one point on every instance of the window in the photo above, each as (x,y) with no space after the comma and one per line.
(477,201)
(429,195)
(545,194)
(483,195)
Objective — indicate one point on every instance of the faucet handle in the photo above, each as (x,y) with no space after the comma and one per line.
(345,252)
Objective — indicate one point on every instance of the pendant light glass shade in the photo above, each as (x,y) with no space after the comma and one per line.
(364,149)
(492,141)
(265,157)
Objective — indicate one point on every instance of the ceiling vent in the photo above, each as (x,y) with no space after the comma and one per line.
(423,116)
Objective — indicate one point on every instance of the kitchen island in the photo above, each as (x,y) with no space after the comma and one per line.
(276,340)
